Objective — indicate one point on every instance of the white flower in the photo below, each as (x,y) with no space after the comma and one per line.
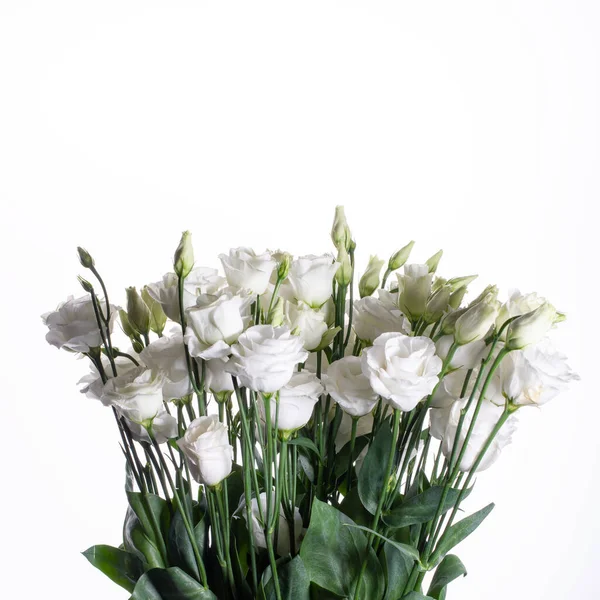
(218,380)
(73,324)
(414,287)
(374,316)
(467,356)
(283,537)
(167,354)
(348,386)
(296,401)
(206,446)
(516,305)
(310,324)
(475,323)
(215,323)
(485,423)
(265,356)
(535,375)
(531,327)
(164,428)
(94,386)
(311,279)
(450,388)
(202,280)
(246,270)
(402,369)
(137,395)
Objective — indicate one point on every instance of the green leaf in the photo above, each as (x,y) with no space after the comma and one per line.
(407,550)
(333,554)
(416,596)
(341,458)
(371,482)
(169,584)
(122,567)
(458,532)
(305,443)
(137,542)
(294,582)
(179,546)
(448,570)
(144,505)
(397,568)
(420,508)
(306,466)
(352,507)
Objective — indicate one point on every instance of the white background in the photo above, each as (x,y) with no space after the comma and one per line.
(471,126)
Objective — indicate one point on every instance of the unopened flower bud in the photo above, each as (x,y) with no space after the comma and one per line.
(397,260)
(476,321)
(437,305)
(456,297)
(340,232)
(343,275)
(531,327)
(448,324)
(128,329)
(434,261)
(489,291)
(85,284)
(458,283)
(137,346)
(414,289)
(283,267)
(137,311)
(158,318)
(85,258)
(369,282)
(183,261)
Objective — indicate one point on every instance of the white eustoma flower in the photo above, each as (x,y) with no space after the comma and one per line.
(311,279)
(218,380)
(164,428)
(137,395)
(402,369)
(73,325)
(467,356)
(349,387)
(206,446)
(265,356)
(530,328)
(450,388)
(516,305)
(94,386)
(414,287)
(202,280)
(296,401)
(246,270)
(167,354)
(257,527)
(308,323)
(535,375)
(374,316)
(216,322)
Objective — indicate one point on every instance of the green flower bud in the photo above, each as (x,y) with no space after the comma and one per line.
(340,232)
(183,261)
(437,304)
(448,324)
(84,258)
(128,329)
(434,261)
(457,297)
(137,346)
(397,260)
(531,327)
(137,311)
(369,282)
(343,275)
(477,320)
(158,319)
(85,284)
(284,266)
(490,290)
(438,284)
(414,289)
(458,283)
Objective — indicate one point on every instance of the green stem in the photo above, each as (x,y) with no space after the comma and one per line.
(351,455)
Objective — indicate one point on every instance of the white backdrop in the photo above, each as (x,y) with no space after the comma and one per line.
(471,126)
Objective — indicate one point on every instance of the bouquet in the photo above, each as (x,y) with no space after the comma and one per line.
(285,439)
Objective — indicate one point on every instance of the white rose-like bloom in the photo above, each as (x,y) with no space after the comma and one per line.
(373,316)
(414,287)
(206,446)
(467,356)
(218,380)
(311,279)
(167,354)
(246,270)
(93,385)
(296,401)
(164,428)
(347,385)
(265,356)
(215,323)
(486,421)
(402,369)
(202,280)
(309,323)
(517,304)
(258,527)
(137,395)
(535,375)
(73,324)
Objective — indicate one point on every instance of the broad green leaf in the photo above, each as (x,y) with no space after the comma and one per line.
(458,532)
(420,508)
(306,466)
(169,584)
(407,550)
(122,567)
(179,546)
(144,505)
(397,568)
(294,582)
(235,487)
(448,570)
(305,443)
(333,554)
(341,458)
(371,482)
(352,507)
(137,542)
(416,596)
